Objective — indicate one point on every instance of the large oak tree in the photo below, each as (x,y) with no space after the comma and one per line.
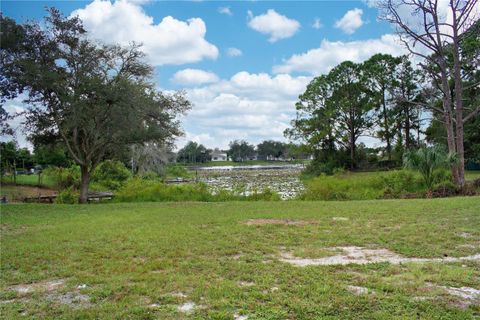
(96,98)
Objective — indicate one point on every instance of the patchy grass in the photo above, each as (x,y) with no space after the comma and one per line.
(30,180)
(20,192)
(472,175)
(202,261)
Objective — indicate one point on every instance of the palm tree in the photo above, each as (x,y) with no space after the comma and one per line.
(426,160)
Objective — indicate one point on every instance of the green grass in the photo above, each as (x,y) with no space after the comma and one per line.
(131,255)
(30,180)
(472,175)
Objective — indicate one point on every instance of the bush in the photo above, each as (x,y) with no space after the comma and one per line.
(64,178)
(362,186)
(67,196)
(137,190)
(444,189)
(177,171)
(111,174)
(338,187)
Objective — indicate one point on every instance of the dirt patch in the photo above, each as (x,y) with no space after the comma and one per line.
(464,293)
(74,299)
(47,286)
(467,296)
(360,255)
(237,316)
(257,222)
(358,290)
(178,295)
(19,193)
(246,283)
(187,307)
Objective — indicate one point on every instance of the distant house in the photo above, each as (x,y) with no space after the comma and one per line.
(218,155)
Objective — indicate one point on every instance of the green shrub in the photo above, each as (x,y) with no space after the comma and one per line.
(64,178)
(337,187)
(67,196)
(177,171)
(111,174)
(362,186)
(138,190)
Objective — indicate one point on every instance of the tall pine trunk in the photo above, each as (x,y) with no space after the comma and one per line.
(386,126)
(458,109)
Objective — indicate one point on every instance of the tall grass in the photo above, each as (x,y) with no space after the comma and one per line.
(140,190)
(348,186)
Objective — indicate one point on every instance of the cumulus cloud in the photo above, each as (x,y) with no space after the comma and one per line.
(351,21)
(317,24)
(16,107)
(234,52)
(225,10)
(194,77)
(329,54)
(275,25)
(169,42)
(247,106)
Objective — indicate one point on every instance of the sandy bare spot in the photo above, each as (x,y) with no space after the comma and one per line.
(187,307)
(361,255)
(358,290)
(178,295)
(48,286)
(465,235)
(237,316)
(467,296)
(464,293)
(246,283)
(257,222)
(70,298)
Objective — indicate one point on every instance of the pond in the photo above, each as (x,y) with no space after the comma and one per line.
(283,179)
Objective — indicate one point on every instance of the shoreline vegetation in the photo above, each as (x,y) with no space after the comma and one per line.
(251,180)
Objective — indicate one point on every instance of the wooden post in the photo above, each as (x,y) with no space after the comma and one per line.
(14,172)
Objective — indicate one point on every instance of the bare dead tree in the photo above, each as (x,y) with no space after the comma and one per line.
(436,36)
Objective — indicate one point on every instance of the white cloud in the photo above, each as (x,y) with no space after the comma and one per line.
(247,106)
(169,42)
(329,54)
(273,24)
(16,107)
(234,52)
(225,10)
(317,24)
(194,77)
(351,21)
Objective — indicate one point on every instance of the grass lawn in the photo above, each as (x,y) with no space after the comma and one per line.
(157,260)
(31,180)
(472,175)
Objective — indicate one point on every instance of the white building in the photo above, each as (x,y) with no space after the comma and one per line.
(218,155)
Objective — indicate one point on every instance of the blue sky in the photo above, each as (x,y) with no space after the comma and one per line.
(242,63)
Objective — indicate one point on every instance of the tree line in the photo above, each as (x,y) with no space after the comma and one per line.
(241,150)
(401,104)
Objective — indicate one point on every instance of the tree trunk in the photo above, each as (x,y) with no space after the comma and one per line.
(407,129)
(85,180)
(385,123)
(352,151)
(447,113)
(458,107)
